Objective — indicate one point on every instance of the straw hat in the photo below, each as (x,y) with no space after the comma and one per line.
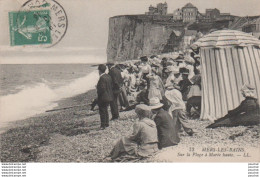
(172,69)
(194,46)
(196,56)
(155,103)
(181,53)
(143,111)
(188,59)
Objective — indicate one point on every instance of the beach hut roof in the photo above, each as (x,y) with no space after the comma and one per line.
(225,38)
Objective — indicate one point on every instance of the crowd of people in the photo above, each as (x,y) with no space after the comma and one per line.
(162,91)
(165,93)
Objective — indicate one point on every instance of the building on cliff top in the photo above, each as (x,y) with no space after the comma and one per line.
(177,15)
(161,9)
(189,13)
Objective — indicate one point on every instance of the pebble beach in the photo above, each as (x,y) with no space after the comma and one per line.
(71,133)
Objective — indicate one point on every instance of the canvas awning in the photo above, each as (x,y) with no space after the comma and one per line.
(227,38)
(229,59)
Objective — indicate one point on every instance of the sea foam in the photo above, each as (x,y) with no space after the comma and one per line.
(40,97)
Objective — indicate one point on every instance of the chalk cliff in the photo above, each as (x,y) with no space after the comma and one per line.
(132,36)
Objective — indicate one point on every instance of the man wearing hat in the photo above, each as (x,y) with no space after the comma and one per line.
(105,95)
(117,83)
(166,126)
(184,83)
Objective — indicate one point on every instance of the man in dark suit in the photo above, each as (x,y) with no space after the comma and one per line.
(117,83)
(166,125)
(105,95)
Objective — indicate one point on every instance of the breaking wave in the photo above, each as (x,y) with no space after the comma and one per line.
(40,97)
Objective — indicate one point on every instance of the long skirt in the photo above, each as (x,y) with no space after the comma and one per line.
(127,147)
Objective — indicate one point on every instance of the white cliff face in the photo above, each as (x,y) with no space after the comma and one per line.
(131,37)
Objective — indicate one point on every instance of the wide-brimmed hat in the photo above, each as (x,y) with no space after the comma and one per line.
(189,60)
(184,71)
(194,46)
(196,56)
(249,90)
(179,59)
(172,69)
(154,64)
(143,111)
(181,53)
(154,103)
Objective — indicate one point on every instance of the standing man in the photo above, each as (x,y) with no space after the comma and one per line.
(117,83)
(105,95)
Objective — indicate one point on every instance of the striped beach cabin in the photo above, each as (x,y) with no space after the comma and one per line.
(229,59)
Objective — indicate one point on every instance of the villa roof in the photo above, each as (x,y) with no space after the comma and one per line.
(189,5)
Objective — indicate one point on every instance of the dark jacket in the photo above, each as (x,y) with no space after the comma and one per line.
(184,88)
(104,89)
(142,97)
(249,106)
(247,113)
(167,130)
(117,79)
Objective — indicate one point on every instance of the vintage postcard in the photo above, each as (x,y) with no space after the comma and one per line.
(129,81)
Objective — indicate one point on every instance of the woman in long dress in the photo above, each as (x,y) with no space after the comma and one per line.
(156,88)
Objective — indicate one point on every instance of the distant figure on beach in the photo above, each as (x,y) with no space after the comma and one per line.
(117,83)
(143,142)
(105,95)
(145,70)
(166,126)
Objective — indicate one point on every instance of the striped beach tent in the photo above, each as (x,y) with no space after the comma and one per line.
(229,59)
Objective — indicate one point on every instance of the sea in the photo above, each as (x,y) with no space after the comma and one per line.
(30,89)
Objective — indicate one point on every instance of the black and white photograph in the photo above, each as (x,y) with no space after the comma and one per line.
(127,81)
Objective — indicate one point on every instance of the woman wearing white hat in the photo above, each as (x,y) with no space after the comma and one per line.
(177,109)
(156,88)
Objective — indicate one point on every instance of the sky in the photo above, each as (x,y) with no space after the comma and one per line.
(87,33)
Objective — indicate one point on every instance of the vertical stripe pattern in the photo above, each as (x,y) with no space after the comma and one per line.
(224,71)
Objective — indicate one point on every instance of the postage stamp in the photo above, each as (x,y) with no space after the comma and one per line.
(38,22)
(30,27)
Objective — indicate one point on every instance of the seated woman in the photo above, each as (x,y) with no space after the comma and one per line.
(177,108)
(247,113)
(143,142)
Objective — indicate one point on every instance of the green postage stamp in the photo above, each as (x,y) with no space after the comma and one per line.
(30,27)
